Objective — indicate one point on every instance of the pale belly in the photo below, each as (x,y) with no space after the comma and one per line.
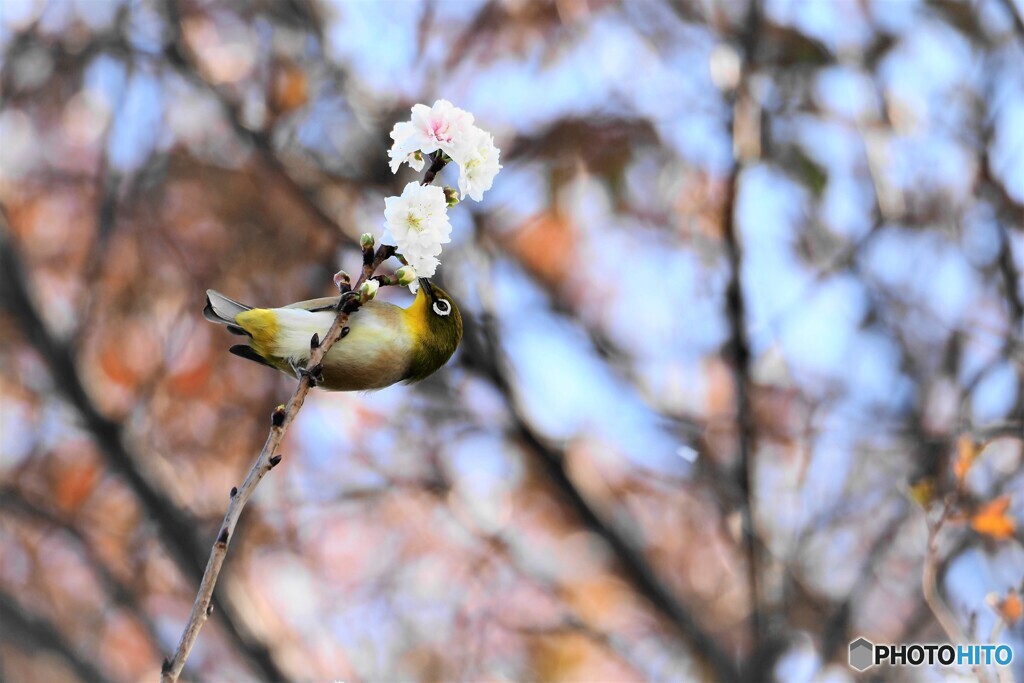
(374,354)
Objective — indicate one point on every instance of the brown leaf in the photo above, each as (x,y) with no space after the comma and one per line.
(191,380)
(290,88)
(1010,608)
(75,483)
(115,367)
(992,519)
(544,245)
(966,453)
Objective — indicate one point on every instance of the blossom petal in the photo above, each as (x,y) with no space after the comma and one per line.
(418,223)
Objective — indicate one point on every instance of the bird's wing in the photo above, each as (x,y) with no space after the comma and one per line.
(329,303)
(321,304)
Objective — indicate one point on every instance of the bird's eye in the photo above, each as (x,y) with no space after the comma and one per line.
(442,307)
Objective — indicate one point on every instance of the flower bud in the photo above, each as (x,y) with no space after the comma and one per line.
(406,275)
(343,281)
(366,241)
(369,290)
(451,197)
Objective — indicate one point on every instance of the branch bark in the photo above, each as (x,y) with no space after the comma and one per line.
(930,591)
(267,459)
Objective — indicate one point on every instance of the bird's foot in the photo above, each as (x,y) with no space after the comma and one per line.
(315,373)
(350,302)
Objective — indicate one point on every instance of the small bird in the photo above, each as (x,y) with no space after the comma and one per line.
(385,343)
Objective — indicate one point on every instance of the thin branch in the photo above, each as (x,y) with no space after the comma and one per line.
(929,584)
(1003,674)
(930,590)
(267,459)
(1011,281)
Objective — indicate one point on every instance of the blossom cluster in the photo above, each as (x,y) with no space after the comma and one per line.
(417,221)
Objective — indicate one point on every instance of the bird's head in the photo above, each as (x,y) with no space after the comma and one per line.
(437,326)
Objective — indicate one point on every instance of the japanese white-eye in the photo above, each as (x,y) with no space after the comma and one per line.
(384,344)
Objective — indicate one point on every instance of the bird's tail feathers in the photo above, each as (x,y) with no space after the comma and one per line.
(223,310)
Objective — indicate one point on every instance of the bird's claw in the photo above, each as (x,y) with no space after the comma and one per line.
(315,373)
(349,302)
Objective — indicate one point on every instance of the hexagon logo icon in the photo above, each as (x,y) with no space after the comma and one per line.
(862,653)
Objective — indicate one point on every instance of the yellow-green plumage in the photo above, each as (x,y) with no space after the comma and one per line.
(385,343)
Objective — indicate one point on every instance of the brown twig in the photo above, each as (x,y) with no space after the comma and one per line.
(281,418)
(930,588)
(437,163)
(268,458)
(929,584)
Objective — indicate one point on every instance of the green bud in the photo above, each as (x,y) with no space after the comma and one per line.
(451,196)
(406,275)
(369,290)
(366,240)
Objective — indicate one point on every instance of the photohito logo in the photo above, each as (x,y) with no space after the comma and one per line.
(864,654)
(861,654)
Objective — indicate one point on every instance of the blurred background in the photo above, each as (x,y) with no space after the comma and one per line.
(742,378)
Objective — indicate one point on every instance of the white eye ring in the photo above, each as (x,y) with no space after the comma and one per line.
(447,307)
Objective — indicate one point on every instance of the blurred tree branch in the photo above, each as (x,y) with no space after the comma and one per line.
(503,544)
(1015,17)
(482,353)
(637,569)
(180,56)
(1009,212)
(940,360)
(175,527)
(13,502)
(744,122)
(37,633)
(835,632)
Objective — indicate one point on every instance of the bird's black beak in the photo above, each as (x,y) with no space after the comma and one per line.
(427,287)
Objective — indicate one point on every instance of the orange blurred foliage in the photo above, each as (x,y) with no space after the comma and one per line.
(993,520)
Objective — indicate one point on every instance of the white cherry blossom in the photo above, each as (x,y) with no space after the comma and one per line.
(440,127)
(477,158)
(417,223)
